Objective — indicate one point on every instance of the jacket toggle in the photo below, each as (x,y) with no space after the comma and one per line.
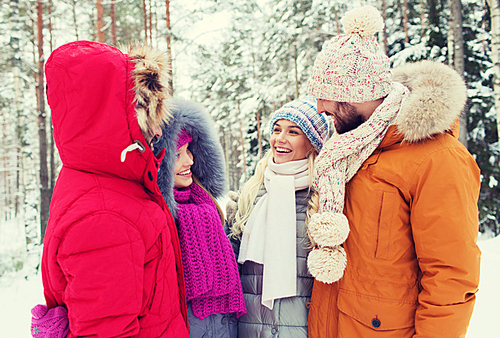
(135,145)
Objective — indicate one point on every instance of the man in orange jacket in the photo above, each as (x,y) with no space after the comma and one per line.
(397,183)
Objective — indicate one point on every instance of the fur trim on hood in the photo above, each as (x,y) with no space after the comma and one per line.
(438,96)
(209,164)
(151,88)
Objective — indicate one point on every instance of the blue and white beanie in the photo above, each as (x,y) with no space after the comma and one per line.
(303,112)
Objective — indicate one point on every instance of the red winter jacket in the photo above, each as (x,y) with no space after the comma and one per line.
(111,253)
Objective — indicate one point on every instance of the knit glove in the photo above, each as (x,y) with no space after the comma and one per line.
(327,261)
(232,206)
(49,323)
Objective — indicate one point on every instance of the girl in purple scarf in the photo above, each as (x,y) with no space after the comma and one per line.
(189,178)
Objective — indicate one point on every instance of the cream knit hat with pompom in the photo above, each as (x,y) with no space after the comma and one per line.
(351,68)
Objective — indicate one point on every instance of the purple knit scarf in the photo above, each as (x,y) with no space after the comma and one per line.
(210,270)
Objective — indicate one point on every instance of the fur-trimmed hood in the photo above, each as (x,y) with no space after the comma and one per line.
(151,78)
(208,158)
(102,101)
(438,96)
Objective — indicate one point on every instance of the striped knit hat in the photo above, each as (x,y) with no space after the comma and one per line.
(305,115)
(351,68)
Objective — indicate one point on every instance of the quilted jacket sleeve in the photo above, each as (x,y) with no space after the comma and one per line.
(102,258)
(444,220)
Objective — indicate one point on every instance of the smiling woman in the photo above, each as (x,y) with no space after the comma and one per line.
(184,160)
(191,177)
(268,227)
(288,142)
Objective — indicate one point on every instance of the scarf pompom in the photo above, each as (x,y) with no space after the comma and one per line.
(329,228)
(327,264)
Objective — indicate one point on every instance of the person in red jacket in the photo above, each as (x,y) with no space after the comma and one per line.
(111,253)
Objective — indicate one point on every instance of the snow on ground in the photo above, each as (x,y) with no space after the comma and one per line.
(484,322)
(20,291)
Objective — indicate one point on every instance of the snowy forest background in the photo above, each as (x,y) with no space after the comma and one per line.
(242,59)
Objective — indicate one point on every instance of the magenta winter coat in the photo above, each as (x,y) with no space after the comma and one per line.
(111,253)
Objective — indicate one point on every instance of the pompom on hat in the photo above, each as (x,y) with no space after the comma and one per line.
(303,112)
(351,68)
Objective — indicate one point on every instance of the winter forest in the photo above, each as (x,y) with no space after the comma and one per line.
(242,59)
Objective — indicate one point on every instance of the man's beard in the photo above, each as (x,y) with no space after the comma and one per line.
(347,118)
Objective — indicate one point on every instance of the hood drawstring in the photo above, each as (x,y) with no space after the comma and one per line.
(136,145)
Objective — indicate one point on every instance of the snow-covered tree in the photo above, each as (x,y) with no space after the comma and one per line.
(494,9)
(260,58)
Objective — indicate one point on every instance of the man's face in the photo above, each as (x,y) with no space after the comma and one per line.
(346,116)
(155,135)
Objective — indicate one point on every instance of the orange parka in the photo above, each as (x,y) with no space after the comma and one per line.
(412,259)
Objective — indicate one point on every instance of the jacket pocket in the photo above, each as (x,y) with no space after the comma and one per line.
(374,313)
(387,211)
(151,275)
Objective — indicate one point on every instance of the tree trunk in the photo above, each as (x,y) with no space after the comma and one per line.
(405,16)
(145,19)
(44,177)
(113,24)
(384,32)
(495,54)
(422,18)
(169,51)
(296,71)
(458,57)
(150,23)
(155,20)
(75,22)
(100,21)
(19,189)
(483,25)
(51,37)
(225,142)
(433,13)
(236,173)
(337,19)
(451,36)
(15,27)
(52,149)
(259,133)
(242,143)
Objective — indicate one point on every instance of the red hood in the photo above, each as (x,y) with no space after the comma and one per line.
(90,92)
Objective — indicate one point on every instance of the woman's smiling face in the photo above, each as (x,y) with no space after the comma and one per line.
(288,142)
(182,170)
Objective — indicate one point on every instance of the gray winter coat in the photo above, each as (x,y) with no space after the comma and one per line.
(289,315)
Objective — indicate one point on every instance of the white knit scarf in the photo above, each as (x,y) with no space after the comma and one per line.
(270,233)
(339,160)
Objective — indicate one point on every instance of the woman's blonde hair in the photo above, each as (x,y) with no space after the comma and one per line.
(312,208)
(248,193)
